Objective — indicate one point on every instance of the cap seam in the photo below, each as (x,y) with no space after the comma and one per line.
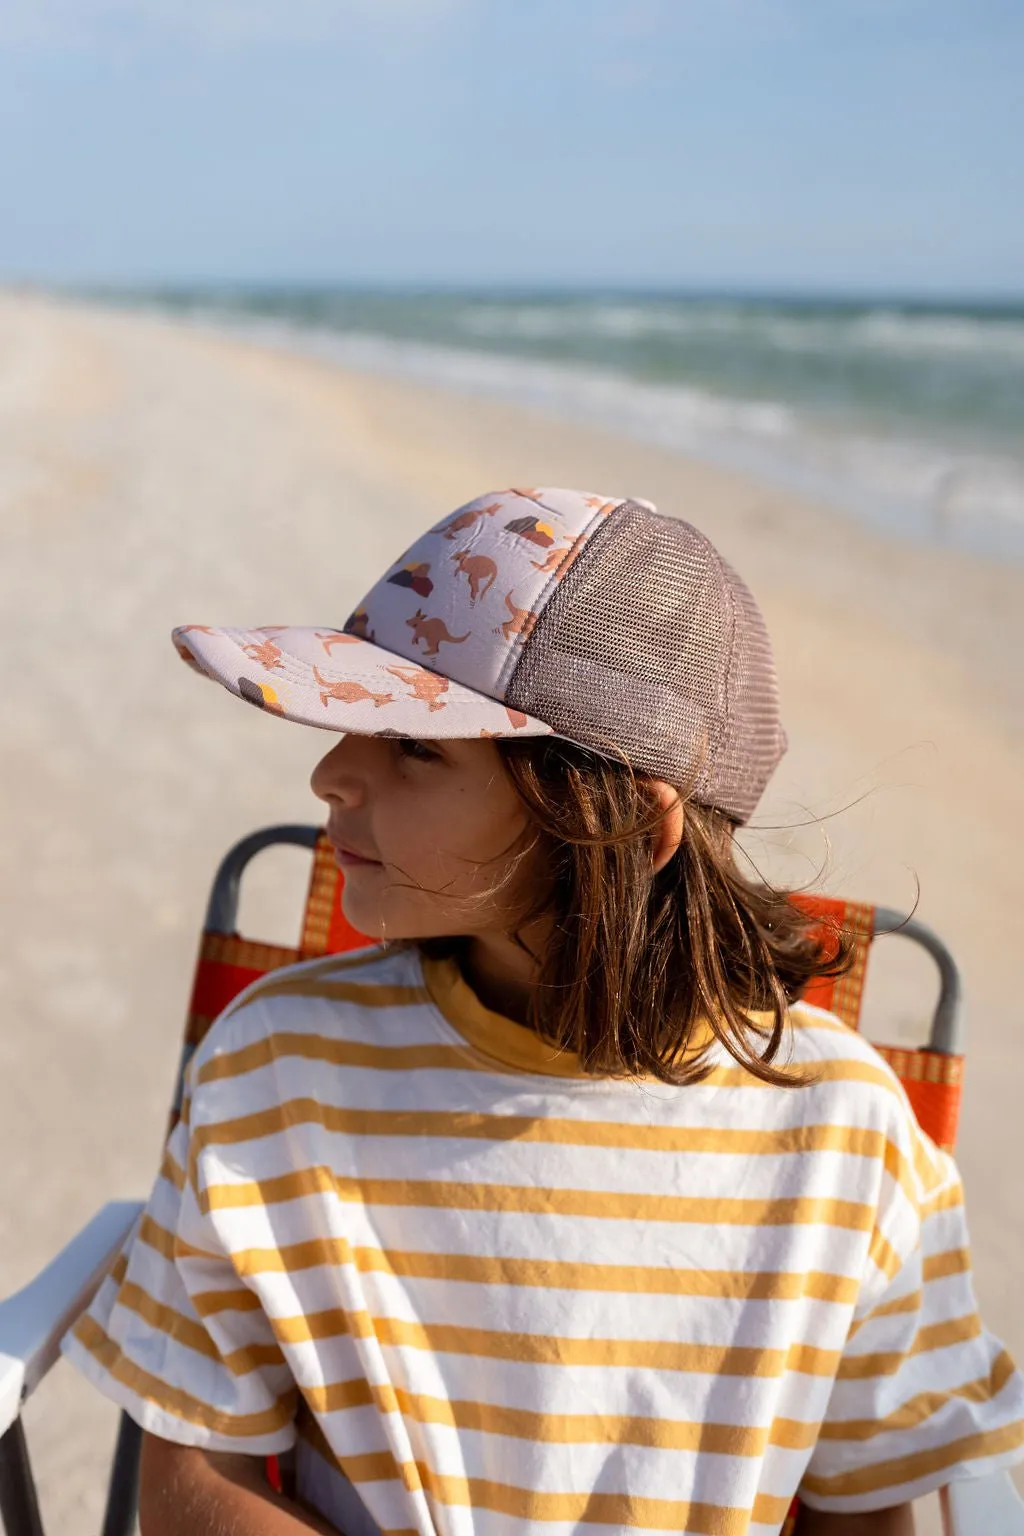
(511,663)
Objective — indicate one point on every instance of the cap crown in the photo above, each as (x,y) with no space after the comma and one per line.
(622,629)
(464,598)
(652,645)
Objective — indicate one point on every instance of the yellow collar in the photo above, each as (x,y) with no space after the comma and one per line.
(492,1034)
(502,1039)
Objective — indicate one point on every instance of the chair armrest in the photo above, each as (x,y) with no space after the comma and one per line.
(34,1320)
(983,1506)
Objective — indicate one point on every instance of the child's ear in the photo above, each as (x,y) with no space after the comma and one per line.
(670,833)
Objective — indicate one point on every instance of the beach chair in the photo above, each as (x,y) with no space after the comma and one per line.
(33,1321)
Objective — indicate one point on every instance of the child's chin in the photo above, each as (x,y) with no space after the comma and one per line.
(366,918)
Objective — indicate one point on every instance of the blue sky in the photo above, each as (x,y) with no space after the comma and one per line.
(761,144)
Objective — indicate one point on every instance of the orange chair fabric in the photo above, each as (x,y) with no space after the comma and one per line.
(841,995)
(932,1080)
(227,963)
(325,928)
(933,1083)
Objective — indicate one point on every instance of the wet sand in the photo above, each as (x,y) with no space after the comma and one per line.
(152,475)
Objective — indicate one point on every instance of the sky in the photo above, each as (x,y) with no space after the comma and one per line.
(760,145)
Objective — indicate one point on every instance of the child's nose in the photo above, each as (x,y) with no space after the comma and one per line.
(335,776)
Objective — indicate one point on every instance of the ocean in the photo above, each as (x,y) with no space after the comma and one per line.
(908,415)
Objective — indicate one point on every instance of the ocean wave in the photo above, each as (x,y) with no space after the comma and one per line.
(910,483)
(596,392)
(921,336)
(893,332)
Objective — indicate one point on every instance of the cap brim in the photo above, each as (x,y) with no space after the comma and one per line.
(340,682)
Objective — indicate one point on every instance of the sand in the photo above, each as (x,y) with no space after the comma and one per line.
(153,474)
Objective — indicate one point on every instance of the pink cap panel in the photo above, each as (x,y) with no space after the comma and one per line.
(464,598)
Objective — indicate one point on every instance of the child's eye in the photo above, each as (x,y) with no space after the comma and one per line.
(408,746)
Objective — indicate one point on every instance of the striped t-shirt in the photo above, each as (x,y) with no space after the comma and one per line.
(481,1292)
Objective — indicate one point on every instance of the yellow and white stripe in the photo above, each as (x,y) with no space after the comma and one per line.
(482,1292)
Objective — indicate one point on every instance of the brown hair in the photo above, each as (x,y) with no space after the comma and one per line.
(636,962)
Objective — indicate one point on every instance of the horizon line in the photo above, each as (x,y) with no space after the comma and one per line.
(356,287)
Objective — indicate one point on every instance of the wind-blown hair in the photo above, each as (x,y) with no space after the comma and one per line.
(639,964)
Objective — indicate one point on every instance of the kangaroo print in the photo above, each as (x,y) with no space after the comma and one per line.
(433,645)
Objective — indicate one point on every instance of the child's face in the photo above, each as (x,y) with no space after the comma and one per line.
(439,819)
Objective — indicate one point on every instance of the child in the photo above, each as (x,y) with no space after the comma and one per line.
(554,1209)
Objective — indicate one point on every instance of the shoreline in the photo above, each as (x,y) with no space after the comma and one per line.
(689,419)
(151,475)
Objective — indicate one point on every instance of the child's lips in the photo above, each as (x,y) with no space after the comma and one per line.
(347,857)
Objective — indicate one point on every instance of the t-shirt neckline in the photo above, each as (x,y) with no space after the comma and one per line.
(493,1034)
(500,1039)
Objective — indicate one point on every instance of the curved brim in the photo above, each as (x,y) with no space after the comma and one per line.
(339,682)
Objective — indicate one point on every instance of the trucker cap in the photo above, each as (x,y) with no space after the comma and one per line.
(539,613)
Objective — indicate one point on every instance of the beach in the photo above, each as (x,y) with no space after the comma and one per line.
(153,474)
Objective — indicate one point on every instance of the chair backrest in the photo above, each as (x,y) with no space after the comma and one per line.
(931,1075)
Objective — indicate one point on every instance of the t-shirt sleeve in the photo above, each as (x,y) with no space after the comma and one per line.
(175,1337)
(923,1395)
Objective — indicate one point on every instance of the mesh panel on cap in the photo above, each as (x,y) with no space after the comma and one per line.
(652,642)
